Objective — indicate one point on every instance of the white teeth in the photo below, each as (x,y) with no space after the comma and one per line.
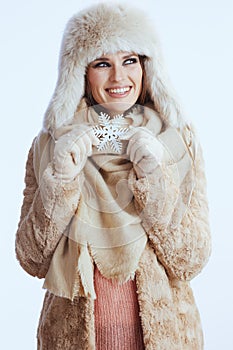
(119,91)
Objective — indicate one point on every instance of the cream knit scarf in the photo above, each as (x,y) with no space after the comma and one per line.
(106,229)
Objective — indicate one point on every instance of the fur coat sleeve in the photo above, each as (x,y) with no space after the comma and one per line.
(45,199)
(177,227)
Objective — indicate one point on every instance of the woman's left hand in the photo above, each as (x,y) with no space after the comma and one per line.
(144,150)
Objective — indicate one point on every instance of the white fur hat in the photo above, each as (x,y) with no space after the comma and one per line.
(101,29)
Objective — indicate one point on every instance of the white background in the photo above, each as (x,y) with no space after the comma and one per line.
(198,47)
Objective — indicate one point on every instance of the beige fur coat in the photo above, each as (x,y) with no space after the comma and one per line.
(169,316)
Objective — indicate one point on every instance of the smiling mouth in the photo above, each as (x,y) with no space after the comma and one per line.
(119,91)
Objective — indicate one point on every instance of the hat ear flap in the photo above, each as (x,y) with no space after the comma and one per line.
(161,92)
(67,95)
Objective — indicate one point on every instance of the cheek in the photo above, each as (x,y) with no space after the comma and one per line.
(94,80)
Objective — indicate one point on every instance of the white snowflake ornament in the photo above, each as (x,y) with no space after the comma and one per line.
(109,132)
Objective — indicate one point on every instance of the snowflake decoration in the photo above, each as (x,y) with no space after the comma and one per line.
(109,132)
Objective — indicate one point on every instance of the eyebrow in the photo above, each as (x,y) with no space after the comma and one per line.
(107,59)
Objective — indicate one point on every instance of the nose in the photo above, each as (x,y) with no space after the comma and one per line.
(117,73)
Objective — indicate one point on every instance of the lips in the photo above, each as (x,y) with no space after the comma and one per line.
(118,90)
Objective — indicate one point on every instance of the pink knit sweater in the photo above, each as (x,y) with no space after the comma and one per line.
(117,320)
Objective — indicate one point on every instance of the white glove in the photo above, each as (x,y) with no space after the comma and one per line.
(71,152)
(144,151)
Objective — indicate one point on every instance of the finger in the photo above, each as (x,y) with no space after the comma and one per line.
(140,153)
(148,165)
(130,133)
(132,140)
(138,150)
(87,130)
(137,136)
(87,144)
(94,139)
(131,148)
(83,146)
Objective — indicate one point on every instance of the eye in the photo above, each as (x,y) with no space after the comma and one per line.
(101,65)
(130,60)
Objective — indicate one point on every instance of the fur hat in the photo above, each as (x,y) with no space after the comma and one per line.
(101,29)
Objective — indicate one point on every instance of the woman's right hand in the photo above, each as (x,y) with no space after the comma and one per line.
(71,152)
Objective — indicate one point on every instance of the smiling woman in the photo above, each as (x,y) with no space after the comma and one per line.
(115,216)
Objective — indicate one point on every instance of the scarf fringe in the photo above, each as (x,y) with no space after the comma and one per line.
(86,271)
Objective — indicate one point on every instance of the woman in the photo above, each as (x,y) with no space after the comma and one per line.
(115,216)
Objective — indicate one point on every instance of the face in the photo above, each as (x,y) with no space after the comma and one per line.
(115,81)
